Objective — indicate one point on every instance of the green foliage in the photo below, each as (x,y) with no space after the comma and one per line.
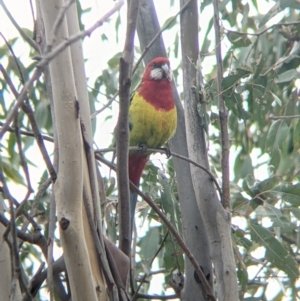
(276,254)
(260,81)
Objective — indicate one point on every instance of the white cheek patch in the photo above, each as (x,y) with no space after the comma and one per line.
(156,74)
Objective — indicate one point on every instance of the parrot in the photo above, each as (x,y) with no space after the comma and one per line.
(152,118)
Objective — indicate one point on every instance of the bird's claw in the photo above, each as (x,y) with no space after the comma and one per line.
(142,148)
(167,151)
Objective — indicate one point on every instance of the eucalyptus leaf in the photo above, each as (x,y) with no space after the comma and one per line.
(231,80)
(287,76)
(275,252)
(289,193)
(238,40)
(242,276)
(169,202)
(149,244)
(277,133)
(296,136)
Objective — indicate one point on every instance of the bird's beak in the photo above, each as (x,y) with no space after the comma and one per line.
(167,72)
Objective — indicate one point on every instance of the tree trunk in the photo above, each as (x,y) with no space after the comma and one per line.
(194,232)
(217,221)
(71,110)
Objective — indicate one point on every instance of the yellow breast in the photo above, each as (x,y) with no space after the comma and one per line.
(149,125)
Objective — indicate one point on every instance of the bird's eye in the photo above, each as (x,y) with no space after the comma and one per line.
(154,65)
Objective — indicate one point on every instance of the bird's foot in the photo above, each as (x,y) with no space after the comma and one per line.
(142,148)
(167,151)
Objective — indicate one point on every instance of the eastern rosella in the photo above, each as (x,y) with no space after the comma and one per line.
(152,118)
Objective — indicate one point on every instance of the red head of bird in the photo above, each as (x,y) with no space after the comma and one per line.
(158,69)
(156,85)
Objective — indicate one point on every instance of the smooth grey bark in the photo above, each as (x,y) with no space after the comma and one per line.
(84,275)
(194,232)
(216,219)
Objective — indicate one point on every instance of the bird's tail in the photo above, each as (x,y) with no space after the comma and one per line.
(136,163)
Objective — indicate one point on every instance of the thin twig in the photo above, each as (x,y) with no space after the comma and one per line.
(158,297)
(22,96)
(19,29)
(257,34)
(171,228)
(14,56)
(45,59)
(180,242)
(17,132)
(23,160)
(280,61)
(21,210)
(32,12)
(42,189)
(113,149)
(272,117)
(11,227)
(26,133)
(158,34)
(136,294)
(30,114)
(48,57)
(58,21)
(90,158)
(36,238)
(105,106)
(153,150)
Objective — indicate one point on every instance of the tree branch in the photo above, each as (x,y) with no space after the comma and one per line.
(30,114)
(26,133)
(14,250)
(44,60)
(158,34)
(36,238)
(22,96)
(136,294)
(122,133)
(158,297)
(171,228)
(19,29)
(163,151)
(189,255)
(272,117)
(56,24)
(257,34)
(193,227)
